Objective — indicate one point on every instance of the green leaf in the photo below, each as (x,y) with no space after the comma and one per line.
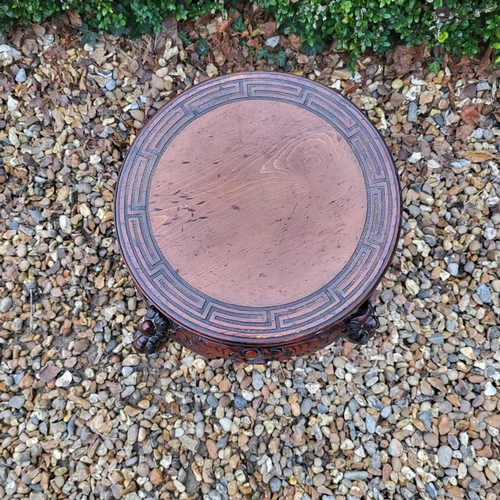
(202,47)
(434,66)
(239,25)
(118,31)
(262,52)
(139,29)
(89,37)
(281,58)
(312,49)
(184,38)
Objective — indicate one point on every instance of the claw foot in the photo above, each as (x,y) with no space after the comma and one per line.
(362,324)
(153,332)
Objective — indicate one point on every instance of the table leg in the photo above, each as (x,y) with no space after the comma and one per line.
(153,332)
(362,324)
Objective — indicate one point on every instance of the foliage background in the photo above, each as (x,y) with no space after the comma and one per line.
(460,27)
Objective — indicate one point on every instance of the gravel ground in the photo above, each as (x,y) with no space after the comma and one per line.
(415,414)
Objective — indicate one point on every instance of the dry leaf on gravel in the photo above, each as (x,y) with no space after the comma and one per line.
(268,29)
(464,131)
(99,55)
(470,114)
(38,30)
(74,18)
(478,156)
(295,42)
(403,58)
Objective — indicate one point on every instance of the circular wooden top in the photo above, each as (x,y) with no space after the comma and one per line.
(258,205)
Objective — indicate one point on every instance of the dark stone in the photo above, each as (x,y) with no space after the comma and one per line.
(240,402)
(439,119)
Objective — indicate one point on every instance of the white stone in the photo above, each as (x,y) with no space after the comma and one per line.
(65,224)
(412,286)
(21,76)
(199,365)
(433,164)
(12,104)
(490,233)
(225,423)
(7,51)
(489,389)
(273,41)
(212,70)
(313,388)
(65,379)
(416,156)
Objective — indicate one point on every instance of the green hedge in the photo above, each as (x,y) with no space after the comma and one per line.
(459,26)
(115,16)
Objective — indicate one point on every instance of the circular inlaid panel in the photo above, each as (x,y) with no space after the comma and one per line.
(240,223)
(257,206)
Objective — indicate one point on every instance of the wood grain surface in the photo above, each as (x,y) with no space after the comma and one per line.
(257,211)
(258,203)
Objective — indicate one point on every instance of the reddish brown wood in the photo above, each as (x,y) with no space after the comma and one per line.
(362,324)
(153,332)
(258,211)
(256,178)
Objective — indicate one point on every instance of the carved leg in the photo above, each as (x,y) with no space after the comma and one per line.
(361,325)
(153,332)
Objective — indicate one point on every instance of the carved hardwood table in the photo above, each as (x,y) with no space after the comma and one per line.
(256,213)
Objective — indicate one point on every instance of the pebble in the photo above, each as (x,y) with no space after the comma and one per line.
(257,380)
(483,86)
(225,424)
(275,484)
(273,41)
(438,118)
(65,379)
(111,85)
(240,402)
(8,51)
(5,304)
(17,402)
(469,267)
(484,293)
(356,475)
(490,233)
(395,448)
(488,134)
(436,339)
(397,84)
(21,76)
(65,224)
(143,469)
(386,412)
(412,112)
(489,389)
(306,406)
(370,423)
(431,439)
(444,455)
